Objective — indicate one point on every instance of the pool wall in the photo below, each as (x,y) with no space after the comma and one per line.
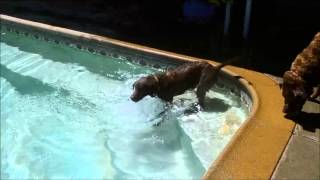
(253,151)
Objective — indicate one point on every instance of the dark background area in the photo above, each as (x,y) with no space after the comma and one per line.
(278,31)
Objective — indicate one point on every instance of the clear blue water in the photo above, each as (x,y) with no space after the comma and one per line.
(66,114)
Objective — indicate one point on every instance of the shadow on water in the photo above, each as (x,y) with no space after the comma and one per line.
(309,121)
(210,105)
(25,84)
(215,105)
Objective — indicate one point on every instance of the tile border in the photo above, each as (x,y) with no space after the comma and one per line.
(108,47)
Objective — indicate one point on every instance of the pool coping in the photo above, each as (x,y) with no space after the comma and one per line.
(255,149)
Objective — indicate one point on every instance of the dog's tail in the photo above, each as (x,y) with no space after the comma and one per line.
(228,62)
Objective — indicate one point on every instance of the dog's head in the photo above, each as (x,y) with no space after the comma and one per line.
(145,86)
(294,92)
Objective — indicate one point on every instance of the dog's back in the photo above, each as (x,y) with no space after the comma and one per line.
(307,63)
(188,73)
(176,81)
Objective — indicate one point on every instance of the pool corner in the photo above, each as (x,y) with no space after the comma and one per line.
(257,147)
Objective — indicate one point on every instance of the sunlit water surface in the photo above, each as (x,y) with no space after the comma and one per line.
(66,113)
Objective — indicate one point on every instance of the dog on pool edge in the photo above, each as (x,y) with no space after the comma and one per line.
(200,75)
(302,78)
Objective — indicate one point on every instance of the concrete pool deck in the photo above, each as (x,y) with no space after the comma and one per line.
(257,148)
(301,158)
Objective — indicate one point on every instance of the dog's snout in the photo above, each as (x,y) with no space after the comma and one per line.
(285,108)
(133,98)
(290,111)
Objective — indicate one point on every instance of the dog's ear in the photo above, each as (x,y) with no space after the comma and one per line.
(133,85)
(280,85)
(288,77)
(169,68)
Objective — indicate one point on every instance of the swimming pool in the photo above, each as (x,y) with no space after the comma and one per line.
(66,113)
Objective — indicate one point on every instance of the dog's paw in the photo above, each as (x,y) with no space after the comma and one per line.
(157,124)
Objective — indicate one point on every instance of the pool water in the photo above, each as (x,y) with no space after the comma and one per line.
(66,113)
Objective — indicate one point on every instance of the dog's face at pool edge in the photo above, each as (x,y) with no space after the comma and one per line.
(294,93)
(143,87)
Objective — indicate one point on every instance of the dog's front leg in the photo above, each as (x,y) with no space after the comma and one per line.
(201,92)
(207,79)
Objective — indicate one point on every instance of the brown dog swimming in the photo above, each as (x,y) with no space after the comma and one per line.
(303,76)
(200,75)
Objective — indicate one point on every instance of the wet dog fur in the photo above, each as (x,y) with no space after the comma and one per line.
(200,75)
